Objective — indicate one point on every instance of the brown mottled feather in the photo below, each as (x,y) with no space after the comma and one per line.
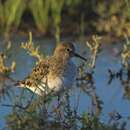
(40,71)
(43,69)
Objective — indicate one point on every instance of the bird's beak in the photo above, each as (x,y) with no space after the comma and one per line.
(77,55)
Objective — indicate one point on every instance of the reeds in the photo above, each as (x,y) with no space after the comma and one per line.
(40,11)
(48,14)
(10,14)
(56,9)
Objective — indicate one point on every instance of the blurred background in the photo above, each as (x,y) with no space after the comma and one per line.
(59,18)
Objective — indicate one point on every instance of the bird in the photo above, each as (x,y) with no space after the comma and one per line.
(54,74)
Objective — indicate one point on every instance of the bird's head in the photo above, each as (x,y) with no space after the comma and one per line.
(67,49)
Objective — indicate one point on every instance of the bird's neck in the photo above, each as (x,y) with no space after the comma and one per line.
(62,57)
(59,65)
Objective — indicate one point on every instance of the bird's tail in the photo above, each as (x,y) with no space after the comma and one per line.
(19,83)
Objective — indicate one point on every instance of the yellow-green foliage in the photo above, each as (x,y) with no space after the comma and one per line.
(125,55)
(40,12)
(56,9)
(3,68)
(94,49)
(33,51)
(93,123)
(10,13)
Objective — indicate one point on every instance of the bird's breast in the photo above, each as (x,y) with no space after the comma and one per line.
(65,80)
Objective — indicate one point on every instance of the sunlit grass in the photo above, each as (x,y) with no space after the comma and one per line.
(33,51)
(40,11)
(3,57)
(94,48)
(56,9)
(125,54)
(10,14)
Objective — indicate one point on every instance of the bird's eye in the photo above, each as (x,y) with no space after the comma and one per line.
(68,49)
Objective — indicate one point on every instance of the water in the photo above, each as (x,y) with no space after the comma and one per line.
(112,95)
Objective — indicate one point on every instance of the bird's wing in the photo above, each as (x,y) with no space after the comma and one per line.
(38,73)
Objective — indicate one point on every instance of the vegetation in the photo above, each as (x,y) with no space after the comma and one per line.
(113,17)
(10,14)
(33,112)
(40,11)
(58,17)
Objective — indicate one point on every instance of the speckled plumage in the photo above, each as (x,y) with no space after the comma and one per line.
(55,73)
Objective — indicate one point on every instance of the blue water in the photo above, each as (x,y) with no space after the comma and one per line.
(111,95)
